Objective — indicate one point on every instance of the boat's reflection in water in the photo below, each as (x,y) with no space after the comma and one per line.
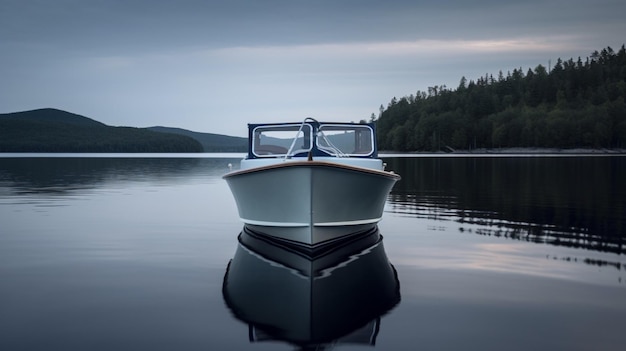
(311,299)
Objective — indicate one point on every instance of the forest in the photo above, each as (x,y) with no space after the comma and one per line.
(571,104)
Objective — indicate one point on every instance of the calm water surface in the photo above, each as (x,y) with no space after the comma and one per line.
(141,253)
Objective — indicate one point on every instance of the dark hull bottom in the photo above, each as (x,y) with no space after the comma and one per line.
(326,236)
(336,238)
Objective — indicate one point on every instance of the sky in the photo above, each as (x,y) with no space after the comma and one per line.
(214,66)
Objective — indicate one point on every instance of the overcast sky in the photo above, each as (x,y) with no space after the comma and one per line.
(214,66)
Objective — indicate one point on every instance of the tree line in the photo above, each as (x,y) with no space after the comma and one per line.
(575,104)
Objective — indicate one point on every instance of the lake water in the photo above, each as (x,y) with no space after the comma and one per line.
(141,253)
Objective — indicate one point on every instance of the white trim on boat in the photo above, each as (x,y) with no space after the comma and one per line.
(344,223)
(299,224)
(274,224)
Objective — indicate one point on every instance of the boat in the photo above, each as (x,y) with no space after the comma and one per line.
(312,301)
(311,182)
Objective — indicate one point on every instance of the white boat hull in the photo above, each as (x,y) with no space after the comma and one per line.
(310,202)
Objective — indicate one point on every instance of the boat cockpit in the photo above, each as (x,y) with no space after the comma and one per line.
(313,138)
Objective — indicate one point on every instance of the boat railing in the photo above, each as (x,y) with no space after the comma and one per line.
(290,152)
(331,148)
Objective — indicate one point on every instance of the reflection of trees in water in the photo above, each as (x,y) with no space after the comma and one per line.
(577,202)
(556,240)
(58,176)
(545,234)
(593,262)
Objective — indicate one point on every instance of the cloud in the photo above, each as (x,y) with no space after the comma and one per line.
(355,50)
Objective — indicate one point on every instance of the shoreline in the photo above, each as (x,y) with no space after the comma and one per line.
(515,151)
(518,151)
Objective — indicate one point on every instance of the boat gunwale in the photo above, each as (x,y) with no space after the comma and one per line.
(313,163)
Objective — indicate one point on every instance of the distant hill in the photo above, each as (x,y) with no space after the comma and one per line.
(52,130)
(210,142)
(51,115)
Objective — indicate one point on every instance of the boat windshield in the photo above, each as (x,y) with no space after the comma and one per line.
(345,139)
(275,141)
